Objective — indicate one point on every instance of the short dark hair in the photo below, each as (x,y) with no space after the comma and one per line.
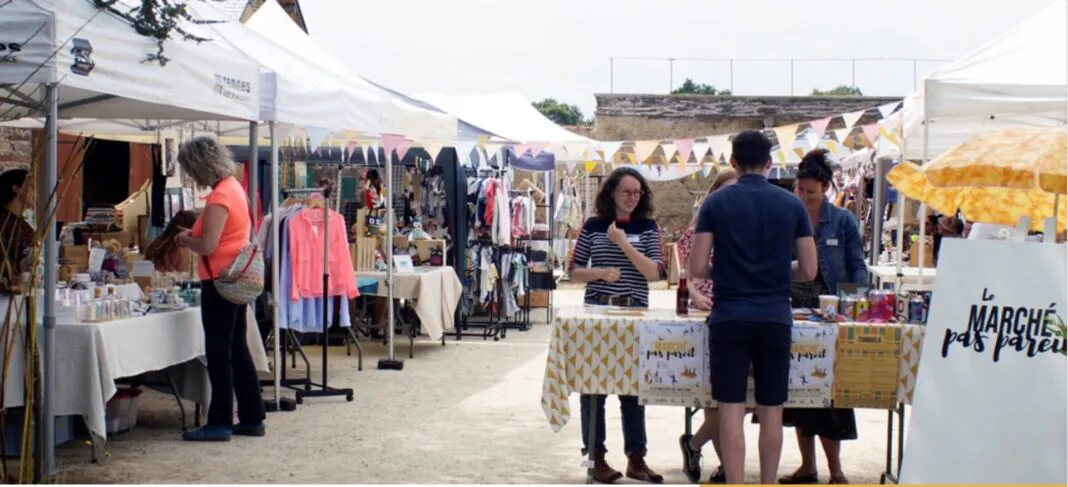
(751,149)
(816,166)
(606,205)
(14,177)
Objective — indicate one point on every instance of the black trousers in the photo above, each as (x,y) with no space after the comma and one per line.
(230,366)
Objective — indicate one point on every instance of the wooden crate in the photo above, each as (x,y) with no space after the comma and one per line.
(363,254)
(867,365)
(537,299)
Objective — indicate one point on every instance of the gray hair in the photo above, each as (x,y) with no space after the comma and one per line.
(205,160)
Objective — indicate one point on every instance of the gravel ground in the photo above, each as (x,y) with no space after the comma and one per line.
(468,413)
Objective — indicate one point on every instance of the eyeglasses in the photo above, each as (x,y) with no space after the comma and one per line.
(630,193)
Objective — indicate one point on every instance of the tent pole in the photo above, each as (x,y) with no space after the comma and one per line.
(275,282)
(923,206)
(253,171)
(47,462)
(391,363)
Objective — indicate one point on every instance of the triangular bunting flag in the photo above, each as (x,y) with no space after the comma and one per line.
(493,149)
(464,151)
(316,136)
(433,149)
(402,148)
(482,140)
(800,152)
(590,166)
(390,143)
(700,150)
(536,148)
(843,134)
(820,126)
(726,149)
(812,139)
(706,170)
(669,152)
(871,132)
(645,148)
(571,165)
(520,149)
(887,109)
(786,136)
(372,150)
(685,148)
(852,117)
(575,149)
(888,135)
(609,150)
(833,146)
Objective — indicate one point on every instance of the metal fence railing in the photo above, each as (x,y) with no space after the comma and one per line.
(723,72)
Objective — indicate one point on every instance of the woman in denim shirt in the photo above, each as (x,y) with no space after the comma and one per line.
(841,260)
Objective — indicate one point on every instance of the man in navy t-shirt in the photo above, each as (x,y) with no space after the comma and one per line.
(757,228)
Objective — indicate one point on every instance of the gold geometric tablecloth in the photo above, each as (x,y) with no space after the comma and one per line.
(595,351)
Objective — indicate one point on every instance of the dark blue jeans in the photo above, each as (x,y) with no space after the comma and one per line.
(634,440)
(633,424)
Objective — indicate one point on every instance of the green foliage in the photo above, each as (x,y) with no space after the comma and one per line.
(157,19)
(840,90)
(689,87)
(1060,329)
(561,113)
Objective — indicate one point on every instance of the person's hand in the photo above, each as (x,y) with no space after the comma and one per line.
(610,274)
(702,302)
(617,236)
(183,238)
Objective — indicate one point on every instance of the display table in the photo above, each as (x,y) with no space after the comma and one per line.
(595,353)
(436,293)
(884,277)
(91,357)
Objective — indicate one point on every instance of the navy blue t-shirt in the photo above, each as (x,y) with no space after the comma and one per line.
(594,249)
(755,225)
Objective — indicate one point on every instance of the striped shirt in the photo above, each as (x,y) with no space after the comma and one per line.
(594,249)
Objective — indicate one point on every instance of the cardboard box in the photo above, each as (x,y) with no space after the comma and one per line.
(535,298)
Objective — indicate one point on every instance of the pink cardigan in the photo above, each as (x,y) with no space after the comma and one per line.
(306,255)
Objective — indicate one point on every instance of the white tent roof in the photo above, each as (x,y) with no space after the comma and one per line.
(1019,78)
(100,65)
(417,123)
(507,114)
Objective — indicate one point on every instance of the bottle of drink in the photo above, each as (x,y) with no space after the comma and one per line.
(682,295)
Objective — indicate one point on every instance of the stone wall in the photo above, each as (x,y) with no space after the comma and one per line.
(644,117)
(16,148)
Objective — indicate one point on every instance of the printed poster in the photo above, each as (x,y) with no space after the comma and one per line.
(812,365)
(673,363)
(993,378)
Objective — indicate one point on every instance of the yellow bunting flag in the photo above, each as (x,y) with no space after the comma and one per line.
(645,148)
(590,166)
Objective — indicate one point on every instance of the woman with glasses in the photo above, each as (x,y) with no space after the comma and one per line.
(616,256)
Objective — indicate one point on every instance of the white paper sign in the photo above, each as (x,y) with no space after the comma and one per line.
(992,387)
(403,264)
(812,355)
(673,363)
(96,259)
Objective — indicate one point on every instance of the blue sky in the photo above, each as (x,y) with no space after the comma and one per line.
(561,48)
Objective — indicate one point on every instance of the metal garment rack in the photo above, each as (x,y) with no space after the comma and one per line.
(324,389)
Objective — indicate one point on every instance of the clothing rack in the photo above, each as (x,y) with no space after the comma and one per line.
(324,389)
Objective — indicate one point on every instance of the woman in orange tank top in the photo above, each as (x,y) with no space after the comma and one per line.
(218,235)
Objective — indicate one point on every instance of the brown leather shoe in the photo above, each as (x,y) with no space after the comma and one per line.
(603,473)
(638,470)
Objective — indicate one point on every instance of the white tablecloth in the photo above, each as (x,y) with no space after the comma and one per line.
(435,290)
(91,356)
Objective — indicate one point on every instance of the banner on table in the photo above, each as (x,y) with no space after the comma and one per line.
(812,364)
(991,388)
(673,363)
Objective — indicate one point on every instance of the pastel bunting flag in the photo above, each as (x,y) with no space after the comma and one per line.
(700,150)
(372,149)
(609,150)
(482,141)
(685,148)
(727,148)
(571,165)
(352,145)
(645,148)
(465,150)
(575,149)
(536,148)
(520,149)
(888,109)
(669,152)
(786,136)
(590,166)
(889,136)
(852,117)
(871,132)
(833,146)
(433,149)
(706,170)
(820,126)
(843,134)
(812,139)
(493,149)
(390,143)
(316,136)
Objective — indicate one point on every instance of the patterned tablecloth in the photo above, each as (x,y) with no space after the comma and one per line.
(594,350)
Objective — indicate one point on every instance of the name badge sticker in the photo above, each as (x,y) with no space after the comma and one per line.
(833,242)
(634,239)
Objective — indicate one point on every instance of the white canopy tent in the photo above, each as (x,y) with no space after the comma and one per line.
(102,68)
(406,118)
(1019,78)
(508,115)
(80,61)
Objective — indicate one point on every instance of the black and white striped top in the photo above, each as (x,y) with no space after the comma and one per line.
(594,249)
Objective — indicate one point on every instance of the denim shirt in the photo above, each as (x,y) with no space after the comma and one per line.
(841,253)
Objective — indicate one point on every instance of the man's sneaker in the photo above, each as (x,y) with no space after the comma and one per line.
(691,459)
(256,429)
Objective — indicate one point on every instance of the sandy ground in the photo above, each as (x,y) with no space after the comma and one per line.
(468,412)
